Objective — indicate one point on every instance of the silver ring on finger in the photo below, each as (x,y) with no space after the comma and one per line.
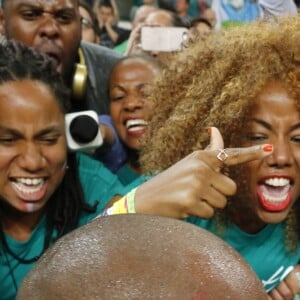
(222,155)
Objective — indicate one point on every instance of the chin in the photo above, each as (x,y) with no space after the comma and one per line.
(273,217)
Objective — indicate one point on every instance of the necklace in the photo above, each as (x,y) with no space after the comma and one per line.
(6,250)
(15,256)
(11,272)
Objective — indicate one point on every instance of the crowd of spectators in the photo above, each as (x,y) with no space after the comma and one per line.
(113,21)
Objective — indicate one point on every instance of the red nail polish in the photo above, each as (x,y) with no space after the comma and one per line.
(268,148)
(209,131)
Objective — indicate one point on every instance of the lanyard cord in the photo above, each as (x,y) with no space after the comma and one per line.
(21,260)
(11,272)
(6,250)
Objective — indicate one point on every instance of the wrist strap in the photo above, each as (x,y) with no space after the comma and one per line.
(123,206)
(131,201)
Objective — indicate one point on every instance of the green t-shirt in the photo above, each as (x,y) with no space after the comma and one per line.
(98,184)
(121,48)
(126,175)
(265,251)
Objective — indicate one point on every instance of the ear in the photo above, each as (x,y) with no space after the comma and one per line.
(2,22)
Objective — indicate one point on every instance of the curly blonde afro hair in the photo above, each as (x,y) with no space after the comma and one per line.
(214,83)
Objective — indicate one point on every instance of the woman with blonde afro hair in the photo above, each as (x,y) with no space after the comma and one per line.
(214,83)
(238,88)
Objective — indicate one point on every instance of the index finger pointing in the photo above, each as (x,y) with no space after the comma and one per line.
(242,155)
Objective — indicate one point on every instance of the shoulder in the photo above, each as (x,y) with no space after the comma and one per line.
(126,175)
(90,166)
(98,183)
(99,58)
(91,51)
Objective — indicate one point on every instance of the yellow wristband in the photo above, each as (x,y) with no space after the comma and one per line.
(130,201)
(123,206)
(119,207)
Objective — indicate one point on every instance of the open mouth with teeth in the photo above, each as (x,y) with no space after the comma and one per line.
(136,125)
(29,189)
(275,194)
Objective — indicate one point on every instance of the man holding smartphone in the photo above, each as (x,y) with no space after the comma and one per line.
(165,27)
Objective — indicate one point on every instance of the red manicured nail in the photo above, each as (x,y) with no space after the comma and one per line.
(268,148)
(209,131)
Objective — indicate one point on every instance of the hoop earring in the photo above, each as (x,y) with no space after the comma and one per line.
(80,77)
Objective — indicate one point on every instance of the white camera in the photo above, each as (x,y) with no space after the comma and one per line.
(82,131)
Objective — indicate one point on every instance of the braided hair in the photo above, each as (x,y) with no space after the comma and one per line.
(18,62)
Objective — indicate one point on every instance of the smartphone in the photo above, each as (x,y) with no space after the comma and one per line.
(163,39)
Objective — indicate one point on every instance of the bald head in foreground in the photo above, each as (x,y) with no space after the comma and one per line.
(141,257)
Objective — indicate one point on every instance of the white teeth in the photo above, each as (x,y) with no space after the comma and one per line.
(274,198)
(24,187)
(277,182)
(30,181)
(137,122)
(137,128)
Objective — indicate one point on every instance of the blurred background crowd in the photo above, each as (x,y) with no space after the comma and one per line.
(110,22)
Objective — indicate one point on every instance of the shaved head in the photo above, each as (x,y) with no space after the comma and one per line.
(141,257)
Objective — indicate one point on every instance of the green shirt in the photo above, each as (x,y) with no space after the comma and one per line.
(98,184)
(265,251)
(126,175)
(121,48)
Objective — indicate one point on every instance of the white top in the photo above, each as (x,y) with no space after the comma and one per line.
(268,8)
(278,7)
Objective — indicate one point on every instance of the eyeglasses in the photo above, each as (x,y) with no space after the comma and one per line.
(86,23)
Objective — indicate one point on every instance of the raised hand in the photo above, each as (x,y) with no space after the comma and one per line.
(195,185)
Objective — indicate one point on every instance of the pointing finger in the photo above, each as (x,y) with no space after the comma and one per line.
(235,156)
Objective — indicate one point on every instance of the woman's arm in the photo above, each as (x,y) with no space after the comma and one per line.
(195,185)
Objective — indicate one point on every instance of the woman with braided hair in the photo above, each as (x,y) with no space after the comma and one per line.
(45,192)
(245,82)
